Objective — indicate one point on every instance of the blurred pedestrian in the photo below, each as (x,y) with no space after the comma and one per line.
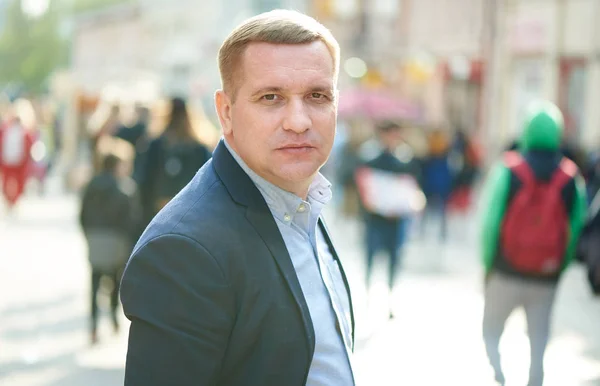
(135,131)
(387,231)
(42,150)
(236,281)
(135,127)
(534,212)
(466,159)
(171,160)
(104,121)
(16,141)
(349,161)
(588,249)
(109,218)
(437,181)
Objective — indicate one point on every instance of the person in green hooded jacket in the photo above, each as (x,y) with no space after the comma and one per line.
(508,285)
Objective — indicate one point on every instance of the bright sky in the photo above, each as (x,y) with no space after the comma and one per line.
(35,8)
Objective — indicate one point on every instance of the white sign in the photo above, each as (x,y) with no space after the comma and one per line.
(389,194)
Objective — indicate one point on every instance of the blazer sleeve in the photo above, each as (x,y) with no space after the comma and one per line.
(181,309)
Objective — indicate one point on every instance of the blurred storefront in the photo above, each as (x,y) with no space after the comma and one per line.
(440,54)
(571,94)
(463,92)
(417,50)
(551,51)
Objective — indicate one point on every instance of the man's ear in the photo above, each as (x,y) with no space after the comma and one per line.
(223,106)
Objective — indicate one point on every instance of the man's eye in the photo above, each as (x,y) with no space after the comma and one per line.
(270,97)
(318,97)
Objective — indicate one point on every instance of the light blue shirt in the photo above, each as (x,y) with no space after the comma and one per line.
(318,273)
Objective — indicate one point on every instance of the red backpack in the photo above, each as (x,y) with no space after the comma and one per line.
(535,231)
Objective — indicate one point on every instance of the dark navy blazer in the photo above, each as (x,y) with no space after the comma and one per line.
(211,291)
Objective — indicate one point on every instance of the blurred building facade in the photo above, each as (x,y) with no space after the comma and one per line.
(469,64)
(149,48)
(424,50)
(476,64)
(550,50)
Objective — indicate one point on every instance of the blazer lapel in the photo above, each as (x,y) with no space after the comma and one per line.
(243,191)
(336,257)
(265,225)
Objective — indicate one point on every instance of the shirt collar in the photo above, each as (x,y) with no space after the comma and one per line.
(283,204)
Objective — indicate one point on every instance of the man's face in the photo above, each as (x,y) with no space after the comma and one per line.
(282,122)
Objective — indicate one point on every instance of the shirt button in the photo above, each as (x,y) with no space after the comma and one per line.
(302,208)
(287,218)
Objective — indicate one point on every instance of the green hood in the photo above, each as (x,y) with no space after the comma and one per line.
(543,127)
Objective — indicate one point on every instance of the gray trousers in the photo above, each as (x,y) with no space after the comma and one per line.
(503,294)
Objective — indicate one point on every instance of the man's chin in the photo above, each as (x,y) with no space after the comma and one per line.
(292,177)
(299,171)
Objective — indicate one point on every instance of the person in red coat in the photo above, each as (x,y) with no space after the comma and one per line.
(15,160)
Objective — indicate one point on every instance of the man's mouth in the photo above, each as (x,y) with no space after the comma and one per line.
(296,148)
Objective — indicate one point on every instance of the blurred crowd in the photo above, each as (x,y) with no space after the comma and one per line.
(140,158)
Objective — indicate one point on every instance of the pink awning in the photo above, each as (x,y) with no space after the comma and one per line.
(375,104)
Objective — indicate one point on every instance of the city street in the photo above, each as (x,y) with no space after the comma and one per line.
(433,340)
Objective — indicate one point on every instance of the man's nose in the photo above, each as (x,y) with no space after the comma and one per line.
(297,116)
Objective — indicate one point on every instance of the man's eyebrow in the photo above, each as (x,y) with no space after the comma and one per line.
(276,90)
(266,90)
(323,89)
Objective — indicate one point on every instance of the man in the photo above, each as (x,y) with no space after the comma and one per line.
(387,231)
(534,213)
(236,281)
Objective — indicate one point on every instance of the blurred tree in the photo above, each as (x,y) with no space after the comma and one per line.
(80,6)
(30,48)
(33,46)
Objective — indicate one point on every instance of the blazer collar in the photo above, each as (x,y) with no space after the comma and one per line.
(236,181)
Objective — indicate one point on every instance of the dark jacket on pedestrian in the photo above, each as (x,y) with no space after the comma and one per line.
(211,291)
(168,167)
(110,203)
(137,136)
(110,216)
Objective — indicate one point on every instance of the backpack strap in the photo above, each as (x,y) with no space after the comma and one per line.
(566,171)
(516,163)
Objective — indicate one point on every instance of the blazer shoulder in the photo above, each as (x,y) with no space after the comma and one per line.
(202,211)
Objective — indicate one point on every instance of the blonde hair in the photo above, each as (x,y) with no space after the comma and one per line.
(275,27)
